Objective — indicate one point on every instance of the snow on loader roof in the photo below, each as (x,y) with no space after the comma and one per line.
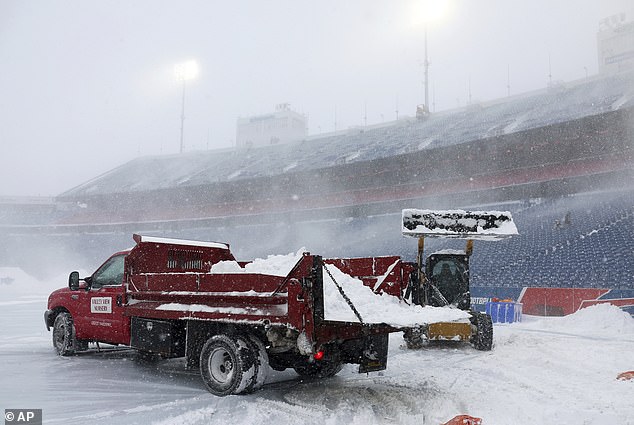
(477,225)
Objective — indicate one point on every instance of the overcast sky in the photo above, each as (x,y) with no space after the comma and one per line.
(88,85)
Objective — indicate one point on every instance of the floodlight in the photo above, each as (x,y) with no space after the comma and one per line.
(186,70)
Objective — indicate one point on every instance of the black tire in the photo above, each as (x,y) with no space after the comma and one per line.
(64,340)
(482,339)
(227,365)
(414,338)
(261,363)
(319,369)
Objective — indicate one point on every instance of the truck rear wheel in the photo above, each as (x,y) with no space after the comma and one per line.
(64,336)
(227,365)
(261,363)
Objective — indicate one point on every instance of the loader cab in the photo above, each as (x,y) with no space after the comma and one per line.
(448,279)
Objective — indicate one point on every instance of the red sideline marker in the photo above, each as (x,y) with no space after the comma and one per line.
(464,420)
(624,376)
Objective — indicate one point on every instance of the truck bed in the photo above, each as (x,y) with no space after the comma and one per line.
(188,290)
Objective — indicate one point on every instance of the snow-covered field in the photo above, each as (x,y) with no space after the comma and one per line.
(541,371)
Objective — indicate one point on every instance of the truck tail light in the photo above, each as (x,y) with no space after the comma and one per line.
(318,355)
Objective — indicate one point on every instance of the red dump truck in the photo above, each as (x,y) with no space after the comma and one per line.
(161,299)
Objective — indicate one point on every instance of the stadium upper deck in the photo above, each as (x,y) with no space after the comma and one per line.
(559,103)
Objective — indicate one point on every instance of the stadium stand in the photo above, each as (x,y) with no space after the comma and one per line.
(561,159)
(28,210)
(555,105)
(583,240)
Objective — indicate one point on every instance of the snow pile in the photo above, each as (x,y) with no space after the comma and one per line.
(15,281)
(597,320)
(9,275)
(372,307)
(274,265)
(375,308)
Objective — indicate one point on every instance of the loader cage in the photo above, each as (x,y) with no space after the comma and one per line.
(449,275)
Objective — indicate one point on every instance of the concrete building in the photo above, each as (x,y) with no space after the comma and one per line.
(282,126)
(615,44)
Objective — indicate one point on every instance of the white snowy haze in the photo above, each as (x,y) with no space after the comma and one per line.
(87,86)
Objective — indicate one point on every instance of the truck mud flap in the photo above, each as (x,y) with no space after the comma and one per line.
(374,356)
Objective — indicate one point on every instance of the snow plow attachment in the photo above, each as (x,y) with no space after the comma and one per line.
(443,278)
(474,225)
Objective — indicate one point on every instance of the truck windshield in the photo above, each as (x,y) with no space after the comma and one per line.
(449,275)
(111,273)
(449,270)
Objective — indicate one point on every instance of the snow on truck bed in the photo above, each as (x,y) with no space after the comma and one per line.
(373,308)
(274,265)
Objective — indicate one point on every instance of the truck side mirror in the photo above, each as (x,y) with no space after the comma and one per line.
(73,281)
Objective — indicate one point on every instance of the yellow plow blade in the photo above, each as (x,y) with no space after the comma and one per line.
(449,331)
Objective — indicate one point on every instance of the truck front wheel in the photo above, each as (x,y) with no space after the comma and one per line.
(64,336)
(227,365)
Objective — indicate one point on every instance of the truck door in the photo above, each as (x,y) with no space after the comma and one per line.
(101,317)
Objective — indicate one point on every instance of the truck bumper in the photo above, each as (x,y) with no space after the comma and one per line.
(48,314)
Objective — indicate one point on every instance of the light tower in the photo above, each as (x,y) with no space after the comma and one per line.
(426,65)
(183,72)
(430,11)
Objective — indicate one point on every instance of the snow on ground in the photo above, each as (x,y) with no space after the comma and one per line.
(540,371)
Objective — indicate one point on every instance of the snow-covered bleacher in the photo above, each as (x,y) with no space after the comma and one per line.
(557,104)
(585,240)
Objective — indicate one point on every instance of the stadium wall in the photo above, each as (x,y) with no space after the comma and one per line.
(554,301)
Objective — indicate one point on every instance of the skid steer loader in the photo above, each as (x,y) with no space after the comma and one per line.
(442,279)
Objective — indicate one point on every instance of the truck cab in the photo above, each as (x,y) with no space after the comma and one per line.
(90,309)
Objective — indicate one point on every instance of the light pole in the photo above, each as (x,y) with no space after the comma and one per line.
(430,11)
(183,72)
(426,65)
